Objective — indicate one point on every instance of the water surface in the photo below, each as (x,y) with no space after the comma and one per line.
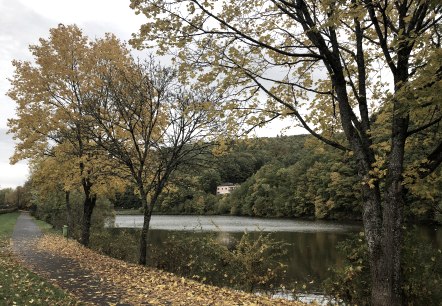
(233,224)
(311,245)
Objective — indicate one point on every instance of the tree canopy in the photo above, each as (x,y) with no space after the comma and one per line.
(369,69)
(51,92)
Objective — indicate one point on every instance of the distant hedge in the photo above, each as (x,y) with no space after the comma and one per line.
(6,210)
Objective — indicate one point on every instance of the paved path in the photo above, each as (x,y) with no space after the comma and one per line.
(86,286)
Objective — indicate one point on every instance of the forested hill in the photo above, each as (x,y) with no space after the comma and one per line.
(288,176)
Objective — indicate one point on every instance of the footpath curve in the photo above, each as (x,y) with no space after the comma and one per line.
(101,280)
(66,273)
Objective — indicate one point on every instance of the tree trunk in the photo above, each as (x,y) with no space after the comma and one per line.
(385,265)
(384,233)
(384,247)
(88,208)
(69,213)
(148,208)
(144,232)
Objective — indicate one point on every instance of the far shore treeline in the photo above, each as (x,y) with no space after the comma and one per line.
(285,176)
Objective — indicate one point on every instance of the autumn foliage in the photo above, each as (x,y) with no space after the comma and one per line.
(139,284)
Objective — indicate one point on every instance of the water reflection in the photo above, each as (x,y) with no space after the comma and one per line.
(232,224)
(309,255)
(311,247)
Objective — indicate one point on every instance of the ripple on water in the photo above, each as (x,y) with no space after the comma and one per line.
(232,224)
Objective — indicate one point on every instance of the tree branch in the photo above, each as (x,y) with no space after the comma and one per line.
(434,160)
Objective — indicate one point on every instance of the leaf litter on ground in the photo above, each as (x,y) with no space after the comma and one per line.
(20,286)
(149,286)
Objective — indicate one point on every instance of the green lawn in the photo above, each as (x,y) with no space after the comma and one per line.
(46,227)
(19,286)
(128,212)
(7,222)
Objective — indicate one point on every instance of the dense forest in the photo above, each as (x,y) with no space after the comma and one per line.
(281,177)
(287,176)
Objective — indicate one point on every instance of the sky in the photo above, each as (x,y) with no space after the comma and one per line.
(23,22)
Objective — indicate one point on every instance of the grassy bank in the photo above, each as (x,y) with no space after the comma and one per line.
(7,222)
(18,285)
(128,212)
(47,228)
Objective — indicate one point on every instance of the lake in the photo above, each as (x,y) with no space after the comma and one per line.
(233,224)
(312,244)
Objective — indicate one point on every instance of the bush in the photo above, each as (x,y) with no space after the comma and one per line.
(118,243)
(52,210)
(421,267)
(351,283)
(248,263)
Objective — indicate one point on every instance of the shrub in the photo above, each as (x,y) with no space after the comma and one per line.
(421,267)
(118,243)
(249,263)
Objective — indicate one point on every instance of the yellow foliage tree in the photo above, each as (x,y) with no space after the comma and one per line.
(366,68)
(151,125)
(50,93)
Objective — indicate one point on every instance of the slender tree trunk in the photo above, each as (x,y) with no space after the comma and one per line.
(145,230)
(88,208)
(148,208)
(18,198)
(68,213)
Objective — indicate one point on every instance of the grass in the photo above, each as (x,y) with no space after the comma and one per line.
(128,212)
(18,285)
(7,222)
(47,228)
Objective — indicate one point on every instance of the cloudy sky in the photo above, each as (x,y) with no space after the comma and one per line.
(22,23)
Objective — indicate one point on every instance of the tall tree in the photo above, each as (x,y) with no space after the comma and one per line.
(368,68)
(150,125)
(50,93)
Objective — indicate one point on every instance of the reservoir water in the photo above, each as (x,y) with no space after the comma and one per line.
(233,224)
(311,248)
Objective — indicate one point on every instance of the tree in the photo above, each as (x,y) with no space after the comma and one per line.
(59,174)
(50,93)
(8,197)
(325,63)
(150,125)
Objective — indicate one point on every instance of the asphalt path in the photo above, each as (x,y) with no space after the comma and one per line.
(64,272)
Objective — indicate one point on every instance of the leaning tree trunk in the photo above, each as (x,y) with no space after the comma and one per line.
(88,208)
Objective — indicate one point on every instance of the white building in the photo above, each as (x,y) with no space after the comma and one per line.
(226,188)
